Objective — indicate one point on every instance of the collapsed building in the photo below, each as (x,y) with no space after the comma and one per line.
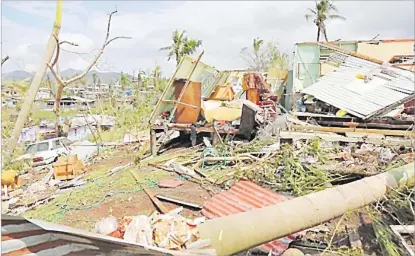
(199,98)
(349,84)
(336,84)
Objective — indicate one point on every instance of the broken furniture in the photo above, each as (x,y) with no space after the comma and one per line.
(199,95)
(67,167)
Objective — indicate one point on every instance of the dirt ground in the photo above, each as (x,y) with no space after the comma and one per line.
(136,203)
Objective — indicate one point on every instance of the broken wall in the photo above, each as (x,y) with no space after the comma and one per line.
(386,50)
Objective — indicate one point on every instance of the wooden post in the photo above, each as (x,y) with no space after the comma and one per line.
(153,146)
(215,138)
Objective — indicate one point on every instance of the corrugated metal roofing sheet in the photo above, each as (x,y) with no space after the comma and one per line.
(244,196)
(343,90)
(20,236)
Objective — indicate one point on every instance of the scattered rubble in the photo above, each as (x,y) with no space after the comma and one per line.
(259,157)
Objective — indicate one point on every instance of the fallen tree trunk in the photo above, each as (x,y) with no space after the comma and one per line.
(239,232)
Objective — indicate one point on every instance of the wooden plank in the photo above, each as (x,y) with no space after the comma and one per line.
(160,206)
(356,130)
(179,202)
(163,209)
(366,125)
(182,103)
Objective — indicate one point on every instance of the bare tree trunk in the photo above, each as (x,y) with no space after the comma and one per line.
(37,79)
(156,79)
(56,73)
(57,109)
(325,34)
(178,59)
(318,33)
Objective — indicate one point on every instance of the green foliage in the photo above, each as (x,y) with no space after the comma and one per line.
(181,46)
(264,55)
(324,10)
(125,82)
(290,170)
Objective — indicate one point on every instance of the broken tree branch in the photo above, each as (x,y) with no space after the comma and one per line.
(67,42)
(118,37)
(4,59)
(101,51)
(55,74)
(54,68)
(93,62)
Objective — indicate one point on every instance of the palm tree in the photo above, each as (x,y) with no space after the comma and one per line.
(323,11)
(181,46)
(124,81)
(257,45)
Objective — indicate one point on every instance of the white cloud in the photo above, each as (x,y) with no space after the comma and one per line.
(84,42)
(224,27)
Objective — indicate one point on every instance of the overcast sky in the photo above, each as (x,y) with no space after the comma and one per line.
(224,28)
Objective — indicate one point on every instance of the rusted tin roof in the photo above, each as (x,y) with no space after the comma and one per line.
(20,236)
(244,196)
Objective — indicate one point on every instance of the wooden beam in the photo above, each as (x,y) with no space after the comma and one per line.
(153,142)
(178,102)
(160,206)
(366,125)
(356,130)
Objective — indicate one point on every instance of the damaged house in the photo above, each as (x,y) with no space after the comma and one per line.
(310,57)
(357,90)
(202,99)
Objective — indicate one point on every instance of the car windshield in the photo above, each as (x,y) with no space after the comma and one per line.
(39,147)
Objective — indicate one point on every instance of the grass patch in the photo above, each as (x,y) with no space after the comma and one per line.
(95,192)
(111,135)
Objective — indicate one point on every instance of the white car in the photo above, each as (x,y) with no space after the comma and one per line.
(46,151)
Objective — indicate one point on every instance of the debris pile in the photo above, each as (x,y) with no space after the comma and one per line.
(262,167)
(170,231)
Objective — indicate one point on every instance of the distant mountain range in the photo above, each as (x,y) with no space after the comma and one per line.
(105,77)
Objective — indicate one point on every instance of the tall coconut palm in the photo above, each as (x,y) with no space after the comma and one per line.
(181,46)
(323,12)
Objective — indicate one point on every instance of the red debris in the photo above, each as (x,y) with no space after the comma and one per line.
(244,196)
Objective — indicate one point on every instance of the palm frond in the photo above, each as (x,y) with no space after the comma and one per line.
(312,11)
(336,17)
(165,48)
(308,16)
(332,7)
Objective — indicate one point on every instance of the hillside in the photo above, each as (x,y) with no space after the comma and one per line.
(105,77)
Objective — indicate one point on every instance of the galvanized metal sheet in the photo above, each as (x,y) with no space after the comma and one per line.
(343,90)
(244,196)
(33,237)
